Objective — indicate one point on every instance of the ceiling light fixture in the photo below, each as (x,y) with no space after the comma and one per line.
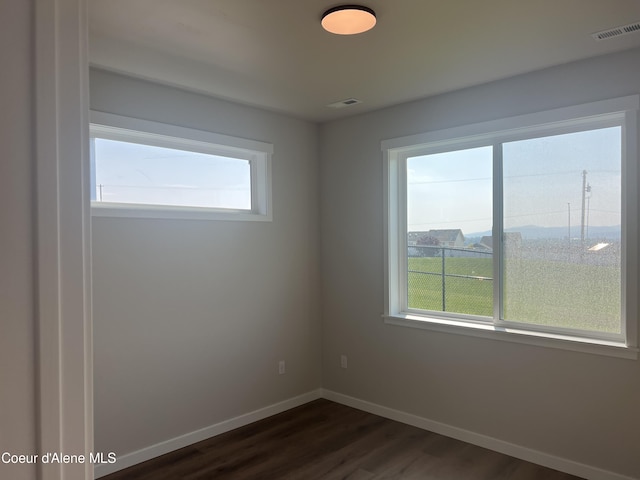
(348,19)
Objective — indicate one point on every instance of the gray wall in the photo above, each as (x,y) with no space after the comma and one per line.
(573,405)
(17,333)
(191,317)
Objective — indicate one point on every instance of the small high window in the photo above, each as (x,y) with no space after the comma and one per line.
(147,169)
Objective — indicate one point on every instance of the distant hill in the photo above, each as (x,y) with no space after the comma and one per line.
(535,232)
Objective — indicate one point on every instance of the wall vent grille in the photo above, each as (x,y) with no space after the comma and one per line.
(616,31)
(344,103)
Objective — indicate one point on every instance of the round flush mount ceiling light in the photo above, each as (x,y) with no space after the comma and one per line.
(348,19)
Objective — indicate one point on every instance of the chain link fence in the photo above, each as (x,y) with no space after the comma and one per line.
(450,279)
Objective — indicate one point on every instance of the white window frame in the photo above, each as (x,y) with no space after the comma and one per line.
(622,112)
(145,132)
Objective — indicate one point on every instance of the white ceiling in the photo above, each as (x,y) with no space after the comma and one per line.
(274,54)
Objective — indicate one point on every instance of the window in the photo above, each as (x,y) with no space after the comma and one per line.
(148,169)
(518,229)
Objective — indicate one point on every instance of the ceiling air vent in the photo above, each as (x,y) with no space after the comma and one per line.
(344,103)
(616,32)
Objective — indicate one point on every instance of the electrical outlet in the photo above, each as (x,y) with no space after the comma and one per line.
(281,367)
(343,361)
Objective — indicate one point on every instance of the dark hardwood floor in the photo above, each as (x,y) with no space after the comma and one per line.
(325,440)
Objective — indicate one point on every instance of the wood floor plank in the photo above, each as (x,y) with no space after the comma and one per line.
(328,441)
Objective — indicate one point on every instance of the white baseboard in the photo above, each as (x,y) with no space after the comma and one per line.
(534,456)
(167,446)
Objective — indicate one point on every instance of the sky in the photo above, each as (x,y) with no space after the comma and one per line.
(542,183)
(133,173)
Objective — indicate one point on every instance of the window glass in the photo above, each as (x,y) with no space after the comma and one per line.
(562,224)
(449,220)
(133,173)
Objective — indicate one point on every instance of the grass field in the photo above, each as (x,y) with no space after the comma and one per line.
(570,295)
(462,295)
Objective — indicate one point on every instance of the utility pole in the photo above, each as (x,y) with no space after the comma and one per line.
(569,222)
(584,196)
(588,210)
(569,230)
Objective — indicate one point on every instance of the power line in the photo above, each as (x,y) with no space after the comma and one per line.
(522,215)
(506,177)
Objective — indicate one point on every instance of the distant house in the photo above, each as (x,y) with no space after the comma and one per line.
(486,242)
(448,238)
(445,238)
(512,240)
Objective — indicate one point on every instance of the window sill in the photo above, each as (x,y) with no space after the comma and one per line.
(563,342)
(175,213)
